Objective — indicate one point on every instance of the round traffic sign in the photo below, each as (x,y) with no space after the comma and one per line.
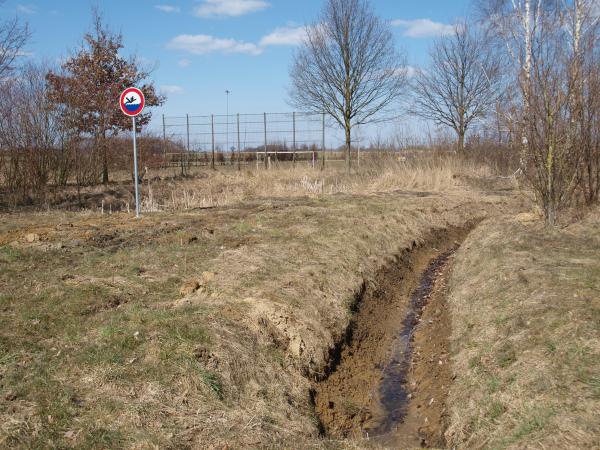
(132,102)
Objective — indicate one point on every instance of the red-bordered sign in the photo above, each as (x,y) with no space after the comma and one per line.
(132,102)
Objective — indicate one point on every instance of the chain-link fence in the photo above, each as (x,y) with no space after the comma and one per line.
(245,138)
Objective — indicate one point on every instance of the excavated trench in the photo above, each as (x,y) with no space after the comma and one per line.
(388,380)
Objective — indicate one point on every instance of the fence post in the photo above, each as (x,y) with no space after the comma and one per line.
(239,144)
(266,151)
(323,144)
(185,157)
(164,142)
(212,133)
(294,139)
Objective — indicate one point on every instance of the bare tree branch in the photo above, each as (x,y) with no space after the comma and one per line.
(14,35)
(460,85)
(348,67)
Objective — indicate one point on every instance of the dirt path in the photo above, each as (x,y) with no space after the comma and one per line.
(390,380)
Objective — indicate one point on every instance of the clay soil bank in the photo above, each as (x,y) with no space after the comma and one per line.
(389,379)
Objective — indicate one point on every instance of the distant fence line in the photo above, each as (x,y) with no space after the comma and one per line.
(245,137)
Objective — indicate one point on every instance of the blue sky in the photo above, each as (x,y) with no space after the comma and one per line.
(203,47)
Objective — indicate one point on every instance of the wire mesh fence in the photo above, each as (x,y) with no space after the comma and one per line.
(244,138)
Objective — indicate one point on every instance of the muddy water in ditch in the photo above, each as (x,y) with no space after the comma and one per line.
(391,376)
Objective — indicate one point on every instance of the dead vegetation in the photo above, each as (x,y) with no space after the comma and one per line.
(163,190)
(204,327)
(101,347)
(526,314)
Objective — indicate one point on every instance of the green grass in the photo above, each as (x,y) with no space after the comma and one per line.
(534,422)
(495,410)
(213,382)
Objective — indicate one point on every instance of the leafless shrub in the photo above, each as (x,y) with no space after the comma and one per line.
(553,47)
(36,149)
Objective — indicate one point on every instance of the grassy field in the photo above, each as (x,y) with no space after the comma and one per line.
(525,308)
(206,323)
(165,190)
(197,327)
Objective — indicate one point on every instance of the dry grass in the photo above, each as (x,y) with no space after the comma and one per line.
(98,349)
(163,190)
(377,175)
(526,315)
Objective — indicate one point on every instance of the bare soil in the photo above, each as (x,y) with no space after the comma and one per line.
(389,379)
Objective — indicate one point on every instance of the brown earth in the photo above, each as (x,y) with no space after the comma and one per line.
(351,401)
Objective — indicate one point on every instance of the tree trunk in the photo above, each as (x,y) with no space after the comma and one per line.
(461,142)
(550,210)
(348,147)
(104,160)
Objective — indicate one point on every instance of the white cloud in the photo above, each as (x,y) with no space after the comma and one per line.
(169,89)
(423,28)
(232,8)
(168,8)
(202,44)
(26,9)
(284,36)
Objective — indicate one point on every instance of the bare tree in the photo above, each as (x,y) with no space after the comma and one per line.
(583,26)
(32,135)
(460,85)
(514,24)
(553,45)
(348,67)
(13,37)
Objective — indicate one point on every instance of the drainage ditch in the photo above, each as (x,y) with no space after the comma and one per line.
(388,381)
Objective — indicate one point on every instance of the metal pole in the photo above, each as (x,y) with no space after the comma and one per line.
(323,143)
(187,124)
(294,138)
(239,144)
(227,125)
(266,154)
(135,173)
(212,126)
(358,146)
(164,142)
(187,121)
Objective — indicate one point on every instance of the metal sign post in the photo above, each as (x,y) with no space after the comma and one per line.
(132,103)
(135,173)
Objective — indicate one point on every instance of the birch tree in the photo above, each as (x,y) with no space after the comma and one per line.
(582,26)
(553,45)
